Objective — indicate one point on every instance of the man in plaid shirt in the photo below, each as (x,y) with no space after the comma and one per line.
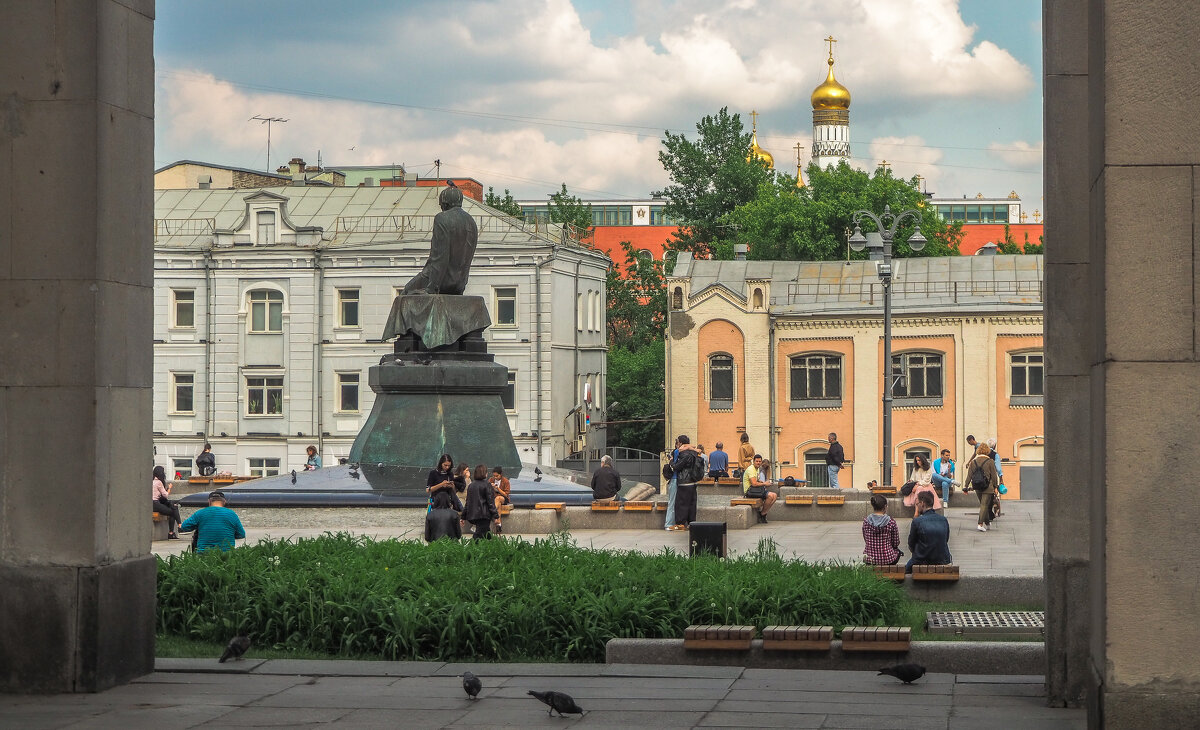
(880,535)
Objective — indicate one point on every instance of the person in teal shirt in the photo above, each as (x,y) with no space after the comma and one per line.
(216,525)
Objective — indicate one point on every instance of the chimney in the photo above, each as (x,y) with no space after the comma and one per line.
(204,182)
(987,249)
(369,182)
(739,252)
(296,168)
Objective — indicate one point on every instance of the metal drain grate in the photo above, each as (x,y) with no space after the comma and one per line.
(987,624)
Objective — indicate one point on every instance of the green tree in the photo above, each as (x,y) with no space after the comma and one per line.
(571,212)
(636,299)
(710,177)
(505,205)
(1032,248)
(812,223)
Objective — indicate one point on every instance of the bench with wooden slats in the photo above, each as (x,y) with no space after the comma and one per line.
(602,506)
(660,506)
(799,500)
(556,506)
(888,572)
(755,503)
(935,572)
(876,638)
(505,509)
(825,500)
(639,506)
(797,638)
(883,490)
(222,481)
(726,638)
(199,480)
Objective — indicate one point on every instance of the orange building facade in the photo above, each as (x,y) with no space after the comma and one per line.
(791,351)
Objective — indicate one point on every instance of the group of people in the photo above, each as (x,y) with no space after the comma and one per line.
(984,476)
(215,527)
(928,536)
(483,493)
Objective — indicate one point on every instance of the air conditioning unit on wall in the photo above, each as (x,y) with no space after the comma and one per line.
(577,446)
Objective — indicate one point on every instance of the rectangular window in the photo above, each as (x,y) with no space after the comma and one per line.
(264,396)
(816,380)
(348,392)
(266,227)
(181,467)
(348,308)
(266,311)
(184,308)
(1027,375)
(918,376)
(183,389)
(261,467)
(720,381)
(509,395)
(506,306)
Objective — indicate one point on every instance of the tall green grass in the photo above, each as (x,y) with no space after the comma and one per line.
(496,600)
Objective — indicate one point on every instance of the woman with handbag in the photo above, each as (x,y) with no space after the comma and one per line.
(921,480)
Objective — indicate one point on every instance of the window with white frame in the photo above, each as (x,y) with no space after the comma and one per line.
(263,467)
(509,395)
(181,466)
(183,308)
(816,380)
(266,311)
(183,391)
(720,381)
(917,378)
(348,392)
(506,306)
(264,396)
(265,220)
(348,308)
(1027,378)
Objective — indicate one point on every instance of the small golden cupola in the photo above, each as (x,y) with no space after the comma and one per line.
(756,152)
(831,119)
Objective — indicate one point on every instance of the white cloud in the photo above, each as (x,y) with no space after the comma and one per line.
(1019,154)
(908,156)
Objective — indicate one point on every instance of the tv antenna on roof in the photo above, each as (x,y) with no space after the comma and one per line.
(267,121)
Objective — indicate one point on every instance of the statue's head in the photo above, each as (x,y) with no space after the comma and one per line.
(451,197)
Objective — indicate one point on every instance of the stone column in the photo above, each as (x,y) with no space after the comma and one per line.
(1127,354)
(76,217)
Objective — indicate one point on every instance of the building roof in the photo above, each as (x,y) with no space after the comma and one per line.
(928,284)
(341,216)
(264,173)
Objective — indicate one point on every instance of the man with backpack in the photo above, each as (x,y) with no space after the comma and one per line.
(688,467)
(983,479)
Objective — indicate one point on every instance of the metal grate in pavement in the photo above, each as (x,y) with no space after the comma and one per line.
(987,624)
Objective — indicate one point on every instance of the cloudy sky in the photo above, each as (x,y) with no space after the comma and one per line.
(528,94)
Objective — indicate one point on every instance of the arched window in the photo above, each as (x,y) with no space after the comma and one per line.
(756,300)
(917,378)
(814,468)
(677,298)
(266,311)
(720,381)
(816,381)
(645,253)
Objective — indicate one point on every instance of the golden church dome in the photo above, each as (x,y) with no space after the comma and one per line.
(756,152)
(831,94)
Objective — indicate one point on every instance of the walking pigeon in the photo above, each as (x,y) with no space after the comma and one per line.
(559,702)
(471,685)
(907,673)
(236,648)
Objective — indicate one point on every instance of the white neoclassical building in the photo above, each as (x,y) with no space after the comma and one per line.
(270,304)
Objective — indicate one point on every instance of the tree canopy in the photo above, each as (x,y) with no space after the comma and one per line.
(572,212)
(504,204)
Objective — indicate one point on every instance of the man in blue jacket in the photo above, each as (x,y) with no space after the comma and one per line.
(943,475)
(216,525)
(929,535)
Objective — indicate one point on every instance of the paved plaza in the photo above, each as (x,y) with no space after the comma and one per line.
(192,693)
(1012,547)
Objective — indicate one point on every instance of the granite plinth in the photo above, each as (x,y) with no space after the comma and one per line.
(438,320)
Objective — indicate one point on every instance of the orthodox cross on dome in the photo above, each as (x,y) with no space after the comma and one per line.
(885,165)
(831,40)
(799,166)
(754,120)
(1037,216)
(799,149)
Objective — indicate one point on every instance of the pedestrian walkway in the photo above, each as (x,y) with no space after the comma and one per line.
(1012,547)
(200,693)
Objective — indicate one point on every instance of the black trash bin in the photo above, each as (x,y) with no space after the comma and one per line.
(707,537)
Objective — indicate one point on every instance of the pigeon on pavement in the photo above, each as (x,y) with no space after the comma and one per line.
(471,685)
(236,648)
(907,673)
(559,702)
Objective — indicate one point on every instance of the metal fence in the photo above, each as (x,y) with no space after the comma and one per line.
(871,292)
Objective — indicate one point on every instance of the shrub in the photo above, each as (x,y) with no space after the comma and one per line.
(503,600)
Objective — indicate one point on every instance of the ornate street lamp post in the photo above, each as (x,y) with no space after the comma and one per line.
(858,242)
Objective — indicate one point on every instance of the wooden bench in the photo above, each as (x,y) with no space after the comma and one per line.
(602,506)
(660,506)
(725,638)
(799,500)
(222,481)
(505,509)
(199,480)
(830,499)
(935,572)
(883,490)
(645,506)
(755,503)
(244,479)
(797,638)
(889,572)
(556,506)
(876,638)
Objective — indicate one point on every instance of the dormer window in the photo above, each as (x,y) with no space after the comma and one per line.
(265,223)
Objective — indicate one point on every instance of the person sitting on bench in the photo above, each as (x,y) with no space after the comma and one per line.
(928,536)
(718,462)
(756,484)
(881,537)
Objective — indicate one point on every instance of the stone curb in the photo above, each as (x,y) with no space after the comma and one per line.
(953,657)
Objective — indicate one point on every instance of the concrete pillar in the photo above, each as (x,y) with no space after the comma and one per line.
(76,161)
(1124,361)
